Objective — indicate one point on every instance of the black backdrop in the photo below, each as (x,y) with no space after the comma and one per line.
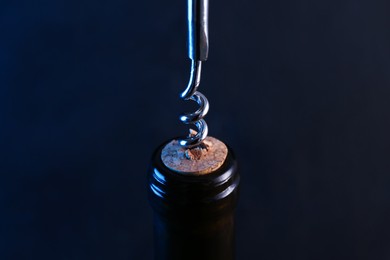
(299,89)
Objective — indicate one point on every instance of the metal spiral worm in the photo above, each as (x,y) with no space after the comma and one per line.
(198,48)
(195,118)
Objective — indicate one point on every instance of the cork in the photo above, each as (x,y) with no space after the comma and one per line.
(201,160)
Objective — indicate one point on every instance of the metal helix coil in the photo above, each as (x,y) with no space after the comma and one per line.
(195,118)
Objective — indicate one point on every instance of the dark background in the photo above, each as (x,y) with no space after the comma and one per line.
(299,89)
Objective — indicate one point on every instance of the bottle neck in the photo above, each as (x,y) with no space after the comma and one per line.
(209,195)
(193,215)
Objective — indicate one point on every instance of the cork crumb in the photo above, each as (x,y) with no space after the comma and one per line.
(192,133)
(198,152)
(193,154)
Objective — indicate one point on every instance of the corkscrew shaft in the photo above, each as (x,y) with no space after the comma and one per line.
(198,49)
(198,33)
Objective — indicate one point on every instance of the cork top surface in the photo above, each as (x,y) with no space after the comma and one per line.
(195,161)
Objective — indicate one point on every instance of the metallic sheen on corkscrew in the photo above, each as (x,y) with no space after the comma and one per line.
(198,49)
(193,181)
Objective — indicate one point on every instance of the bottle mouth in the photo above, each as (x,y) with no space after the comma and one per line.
(169,190)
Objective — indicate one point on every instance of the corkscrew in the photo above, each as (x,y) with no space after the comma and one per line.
(198,48)
(193,181)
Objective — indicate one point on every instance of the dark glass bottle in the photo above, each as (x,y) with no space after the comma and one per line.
(193,215)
